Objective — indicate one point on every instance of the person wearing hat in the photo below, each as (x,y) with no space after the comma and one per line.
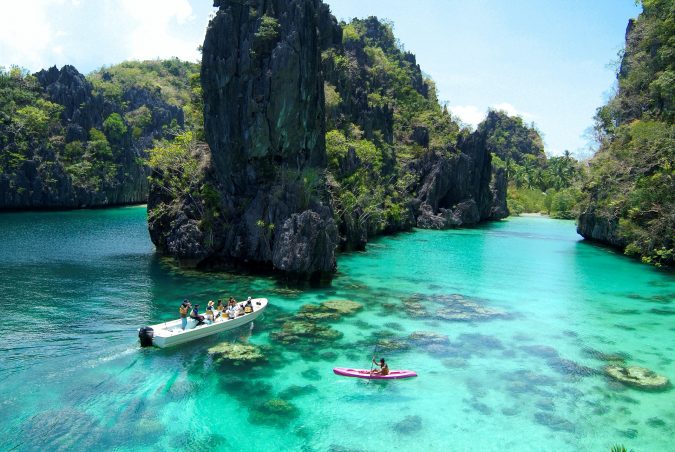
(248,307)
(209,311)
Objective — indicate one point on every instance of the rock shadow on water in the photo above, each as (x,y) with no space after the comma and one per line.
(409,425)
(554,422)
(311,374)
(294,391)
(478,406)
(656,422)
(570,368)
(526,382)
(662,311)
(616,357)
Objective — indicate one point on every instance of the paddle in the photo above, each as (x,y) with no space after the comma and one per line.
(372,362)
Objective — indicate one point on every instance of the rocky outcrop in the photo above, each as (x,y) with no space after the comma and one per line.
(44,180)
(460,188)
(594,226)
(638,377)
(265,126)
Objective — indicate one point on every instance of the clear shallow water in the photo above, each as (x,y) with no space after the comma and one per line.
(75,286)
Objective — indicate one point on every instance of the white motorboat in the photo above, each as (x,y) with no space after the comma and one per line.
(171,333)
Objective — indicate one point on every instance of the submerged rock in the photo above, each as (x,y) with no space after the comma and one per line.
(455,307)
(428,338)
(236,354)
(299,331)
(275,412)
(638,377)
(342,307)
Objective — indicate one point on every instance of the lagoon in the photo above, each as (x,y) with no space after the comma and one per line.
(522,370)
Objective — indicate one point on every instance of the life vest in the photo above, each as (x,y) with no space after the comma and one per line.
(183,311)
(248,310)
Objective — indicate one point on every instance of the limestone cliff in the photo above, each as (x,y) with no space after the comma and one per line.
(629,195)
(55,153)
(275,190)
(264,124)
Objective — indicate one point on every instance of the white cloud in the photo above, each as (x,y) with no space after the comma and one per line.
(36,34)
(25,33)
(153,28)
(470,115)
(512,111)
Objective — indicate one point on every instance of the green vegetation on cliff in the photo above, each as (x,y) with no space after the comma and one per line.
(537,183)
(67,140)
(629,198)
(381,114)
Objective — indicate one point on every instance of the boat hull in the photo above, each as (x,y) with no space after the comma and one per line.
(365,373)
(169,334)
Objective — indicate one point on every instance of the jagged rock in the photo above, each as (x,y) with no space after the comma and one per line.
(595,226)
(306,244)
(638,377)
(458,189)
(498,186)
(265,126)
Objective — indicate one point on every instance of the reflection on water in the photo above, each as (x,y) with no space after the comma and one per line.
(508,325)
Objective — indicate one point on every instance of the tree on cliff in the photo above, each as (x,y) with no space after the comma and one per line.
(630,195)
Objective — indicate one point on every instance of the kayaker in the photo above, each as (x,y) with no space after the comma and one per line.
(183,310)
(383,370)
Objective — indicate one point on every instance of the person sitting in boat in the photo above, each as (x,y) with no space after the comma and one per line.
(210,315)
(219,308)
(195,315)
(183,311)
(248,307)
(232,301)
(231,311)
(383,370)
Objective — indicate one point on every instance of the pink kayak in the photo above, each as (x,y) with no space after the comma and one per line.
(365,373)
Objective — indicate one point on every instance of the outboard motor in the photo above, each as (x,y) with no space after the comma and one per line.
(145,335)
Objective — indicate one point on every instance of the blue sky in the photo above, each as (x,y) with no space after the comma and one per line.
(546,60)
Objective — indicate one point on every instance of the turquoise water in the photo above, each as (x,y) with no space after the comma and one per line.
(522,374)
